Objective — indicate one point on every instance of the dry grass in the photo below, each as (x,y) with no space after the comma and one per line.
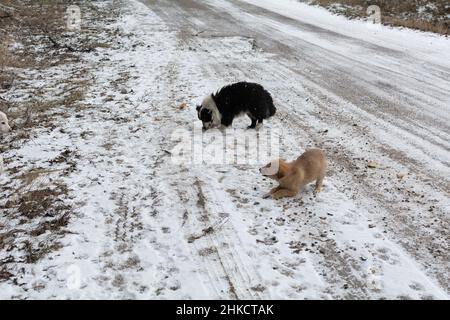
(39,27)
(6,59)
(40,212)
(26,23)
(441,27)
(34,253)
(431,16)
(37,203)
(34,43)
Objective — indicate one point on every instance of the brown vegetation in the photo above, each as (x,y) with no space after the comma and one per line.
(431,16)
(42,81)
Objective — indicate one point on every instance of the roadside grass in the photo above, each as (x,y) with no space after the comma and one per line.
(430,16)
(43,81)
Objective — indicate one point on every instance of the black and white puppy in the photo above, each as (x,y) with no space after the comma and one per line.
(233,100)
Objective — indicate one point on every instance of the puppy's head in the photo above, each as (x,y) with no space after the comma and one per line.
(275,169)
(4,124)
(206,116)
(208,113)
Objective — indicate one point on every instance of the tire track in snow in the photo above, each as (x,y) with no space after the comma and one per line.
(240,70)
(238,276)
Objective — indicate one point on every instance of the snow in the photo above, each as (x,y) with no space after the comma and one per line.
(139,230)
(422,45)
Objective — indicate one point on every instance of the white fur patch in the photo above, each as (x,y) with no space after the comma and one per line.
(208,103)
(4,125)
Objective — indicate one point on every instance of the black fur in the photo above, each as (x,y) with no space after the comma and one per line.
(241,98)
(204,114)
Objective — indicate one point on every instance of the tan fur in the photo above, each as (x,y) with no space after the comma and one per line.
(294,176)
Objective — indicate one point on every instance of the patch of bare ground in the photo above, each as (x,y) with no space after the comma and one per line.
(40,61)
(424,15)
(43,81)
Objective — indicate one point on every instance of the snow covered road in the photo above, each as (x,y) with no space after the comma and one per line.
(147,228)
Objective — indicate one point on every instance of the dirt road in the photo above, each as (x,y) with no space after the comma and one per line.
(376,100)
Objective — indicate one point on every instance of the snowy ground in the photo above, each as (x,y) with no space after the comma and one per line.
(144,227)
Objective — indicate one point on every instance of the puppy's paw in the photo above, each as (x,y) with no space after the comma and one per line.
(317,190)
(275,196)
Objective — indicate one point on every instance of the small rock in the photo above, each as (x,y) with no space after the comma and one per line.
(401,175)
(373,165)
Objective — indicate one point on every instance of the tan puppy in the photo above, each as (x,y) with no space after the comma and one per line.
(293,176)
(4,125)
